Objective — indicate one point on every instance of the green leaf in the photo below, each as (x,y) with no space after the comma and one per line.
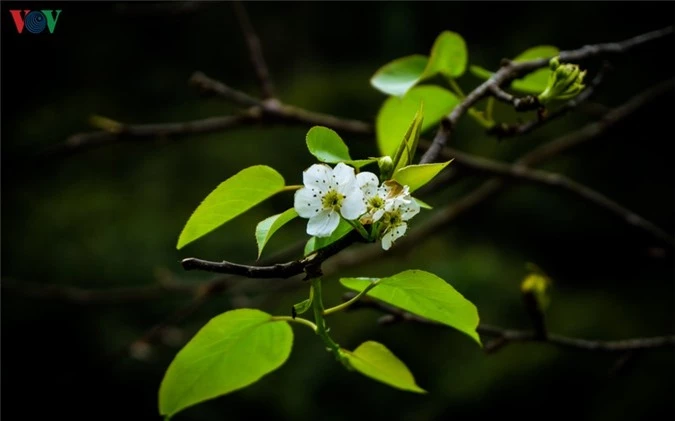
(396,77)
(422,204)
(416,176)
(232,351)
(449,56)
(426,295)
(393,119)
(267,227)
(230,199)
(374,360)
(316,243)
(302,307)
(326,145)
(533,83)
(405,152)
(540,51)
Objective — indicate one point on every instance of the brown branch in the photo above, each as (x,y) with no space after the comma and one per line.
(310,265)
(277,112)
(508,130)
(505,336)
(213,87)
(125,132)
(594,129)
(522,172)
(525,103)
(255,50)
(512,70)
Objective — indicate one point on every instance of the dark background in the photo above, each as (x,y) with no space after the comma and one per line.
(111,216)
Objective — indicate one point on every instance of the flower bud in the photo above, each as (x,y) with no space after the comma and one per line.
(564,82)
(386,166)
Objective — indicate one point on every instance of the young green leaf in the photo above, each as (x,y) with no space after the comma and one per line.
(326,145)
(449,56)
(267,227)
(232,351)
(533,83)
(315,243)
(426,295)
(301,307)
(230,199)
(416,176)
(406,149)
(422,204)
(374,360)
(396,77)
(393,119)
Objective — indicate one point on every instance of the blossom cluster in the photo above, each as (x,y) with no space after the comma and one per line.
(330,193)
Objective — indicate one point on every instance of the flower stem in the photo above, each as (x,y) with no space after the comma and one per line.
(298,320)
(293,187)
(360,228)
(346,304)
(489,108)
(478,116)
(455,87)
(321,330)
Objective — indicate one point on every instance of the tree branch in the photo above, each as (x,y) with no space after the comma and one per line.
(507,130)
(310,265)
(522,172)
(123,132)
(276,111)
(255,50)
(512,70)
(505,336)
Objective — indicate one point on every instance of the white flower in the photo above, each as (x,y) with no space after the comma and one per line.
(327,194)
(398,209)
(374,196)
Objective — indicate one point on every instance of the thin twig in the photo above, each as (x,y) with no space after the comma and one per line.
(506,336)
(277,112)
(525,103)
(123,132)
(255,50)
(594,129)
(308,265)
(509,130)
(513,69)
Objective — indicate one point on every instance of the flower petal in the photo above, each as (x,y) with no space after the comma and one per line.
(317,176)
(393,233)
(323,223)
(409,210)
(378,214)
(368,182)
(343,175)
(353,205)
(307,202)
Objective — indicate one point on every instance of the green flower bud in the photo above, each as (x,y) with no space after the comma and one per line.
(386,166)
(564,82)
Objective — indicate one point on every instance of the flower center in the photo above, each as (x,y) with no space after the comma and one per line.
(332,200)
(392,218)
(375,202)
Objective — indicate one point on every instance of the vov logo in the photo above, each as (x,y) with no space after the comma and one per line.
(35,21)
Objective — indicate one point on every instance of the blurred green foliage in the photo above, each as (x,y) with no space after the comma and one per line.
(111,216)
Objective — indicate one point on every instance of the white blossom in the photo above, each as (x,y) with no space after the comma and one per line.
(327,194)
(374,196)
(398,209)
